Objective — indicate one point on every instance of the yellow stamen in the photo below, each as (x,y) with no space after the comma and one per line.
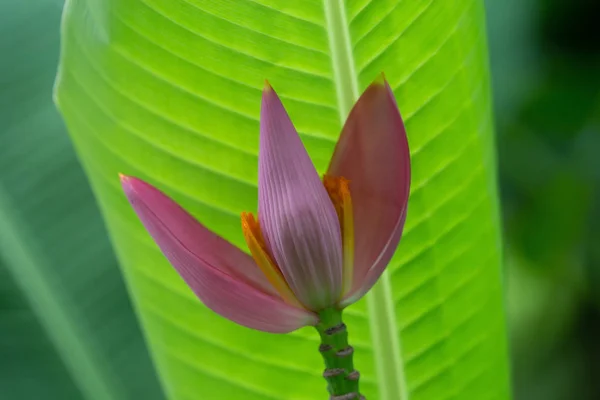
(258,249)
(339,193)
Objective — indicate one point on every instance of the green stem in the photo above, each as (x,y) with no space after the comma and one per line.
(342,378)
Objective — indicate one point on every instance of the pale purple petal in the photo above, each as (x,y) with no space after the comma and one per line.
(223,277)
(372,153)
(299,221)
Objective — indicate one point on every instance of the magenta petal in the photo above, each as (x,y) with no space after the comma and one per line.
(298,219)
(372,153)
(241,303)
(222,276)
(378,267)
(198,240)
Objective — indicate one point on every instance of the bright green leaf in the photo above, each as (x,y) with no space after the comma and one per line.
(169,90)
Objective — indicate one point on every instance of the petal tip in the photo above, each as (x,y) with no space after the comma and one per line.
(132,186)
(267,87)
(381,82)
(126,182)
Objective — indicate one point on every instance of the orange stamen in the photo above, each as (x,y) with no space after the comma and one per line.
(339,193)
(258,249)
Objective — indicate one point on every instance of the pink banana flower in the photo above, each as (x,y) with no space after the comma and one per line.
(317,243)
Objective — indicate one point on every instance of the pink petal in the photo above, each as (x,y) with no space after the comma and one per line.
(372,153)
(378,267)
(299,222)
(222,276)
(201,242)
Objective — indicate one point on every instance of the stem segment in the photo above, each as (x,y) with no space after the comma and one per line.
(342,378)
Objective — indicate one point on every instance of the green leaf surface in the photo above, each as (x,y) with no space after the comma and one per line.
(169,90)
(67,329)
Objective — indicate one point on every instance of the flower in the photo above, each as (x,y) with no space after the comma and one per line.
(316,243)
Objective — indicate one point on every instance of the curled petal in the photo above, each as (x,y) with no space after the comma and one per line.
(299,221)
(378,267)
(223,277)
(373,154)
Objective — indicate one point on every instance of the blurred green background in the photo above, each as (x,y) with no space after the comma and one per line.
(61,294)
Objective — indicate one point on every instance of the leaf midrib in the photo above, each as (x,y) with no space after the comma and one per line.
(382,323)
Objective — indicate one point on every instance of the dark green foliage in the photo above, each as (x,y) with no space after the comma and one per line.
(54,252)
